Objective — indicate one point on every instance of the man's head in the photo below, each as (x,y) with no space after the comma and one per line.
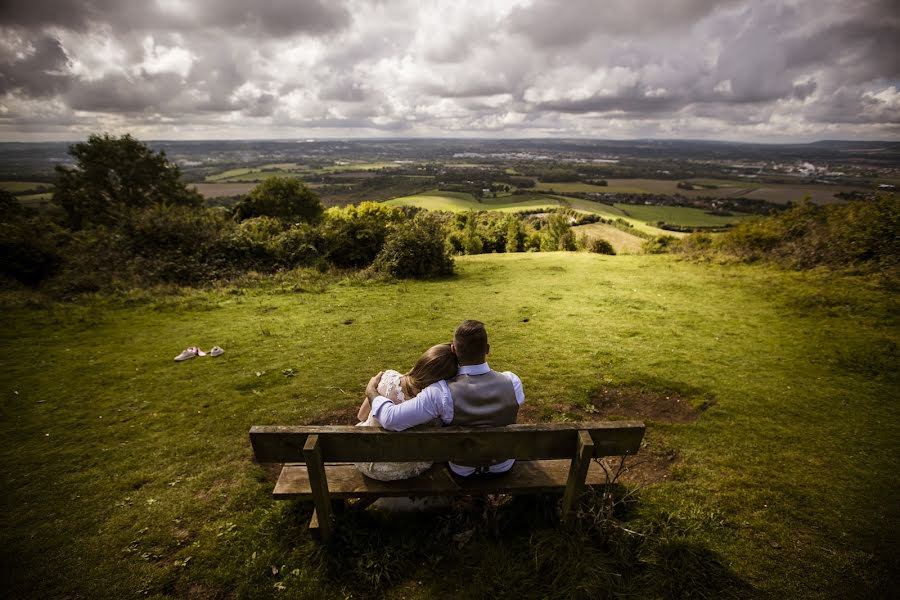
(470,343)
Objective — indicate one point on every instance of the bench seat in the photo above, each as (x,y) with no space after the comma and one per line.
(345,482)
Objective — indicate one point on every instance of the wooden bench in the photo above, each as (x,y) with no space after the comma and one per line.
(553,457)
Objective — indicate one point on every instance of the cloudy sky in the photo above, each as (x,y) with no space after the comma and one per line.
(747,70)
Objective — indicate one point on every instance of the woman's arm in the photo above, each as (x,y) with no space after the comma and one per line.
(364,409)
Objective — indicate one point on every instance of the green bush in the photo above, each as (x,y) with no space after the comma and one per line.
(299,246)
(557,234)
(660,244)
(599,246)
(29,251)
(170,244)
(284,198)
(416,250)
(353,236)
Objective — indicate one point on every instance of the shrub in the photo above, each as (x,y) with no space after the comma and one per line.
(696,243)
(660,244)
(285,198)
(170,243)
(600,246)
(29,250)
(299,246)
(557,234)
(353,236)
(415,250)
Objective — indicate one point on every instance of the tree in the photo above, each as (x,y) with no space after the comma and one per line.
(515,235)
(558,234)
(113,175)
(285,198)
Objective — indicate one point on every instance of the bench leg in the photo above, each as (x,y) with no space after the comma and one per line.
(315,466)
(577,474)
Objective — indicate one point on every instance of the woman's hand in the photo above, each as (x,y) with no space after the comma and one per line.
(372,388)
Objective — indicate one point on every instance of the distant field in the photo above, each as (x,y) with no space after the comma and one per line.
(774,192)
(574,186)
(259,173)
(370,166)
(679,215)
(216,190)
(622,243)
(21,186)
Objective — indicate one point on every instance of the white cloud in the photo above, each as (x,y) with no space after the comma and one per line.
(682,68)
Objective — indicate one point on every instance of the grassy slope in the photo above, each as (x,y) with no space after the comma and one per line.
(679,215)
(118,462)
(622,242)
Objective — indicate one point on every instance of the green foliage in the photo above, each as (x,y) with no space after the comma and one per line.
(415,249)
(471,241)
(285,198)
(299,246)
(171,244)
(515,235)
(557,234)
(660,244)
(599,246)
(862,232)
(114,175)
(29,251)
(353,236)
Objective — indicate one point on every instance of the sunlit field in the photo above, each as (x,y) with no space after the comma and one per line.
(129,475)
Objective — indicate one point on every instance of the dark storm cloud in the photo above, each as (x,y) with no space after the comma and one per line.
(549,23)
(42,73)
(273,17)
(117,93)
(632,102)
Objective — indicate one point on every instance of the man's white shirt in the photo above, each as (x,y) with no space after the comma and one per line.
(435,402)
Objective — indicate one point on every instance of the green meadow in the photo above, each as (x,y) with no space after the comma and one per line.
(680,215)
(127,475)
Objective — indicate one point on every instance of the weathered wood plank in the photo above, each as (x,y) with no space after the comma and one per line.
(315,466)
(345,481)
(284,444)
(577,473)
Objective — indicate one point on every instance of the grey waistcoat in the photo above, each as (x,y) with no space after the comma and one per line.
(487,400)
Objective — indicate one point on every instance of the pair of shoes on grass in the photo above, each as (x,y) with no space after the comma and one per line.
(195,351)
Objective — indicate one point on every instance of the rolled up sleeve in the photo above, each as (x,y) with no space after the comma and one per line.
(415,411)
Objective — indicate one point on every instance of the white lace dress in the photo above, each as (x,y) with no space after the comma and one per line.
(390,387)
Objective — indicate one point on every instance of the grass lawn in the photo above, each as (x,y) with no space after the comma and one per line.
(126,474)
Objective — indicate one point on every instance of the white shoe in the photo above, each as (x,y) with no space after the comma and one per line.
(189,353)
(216,351)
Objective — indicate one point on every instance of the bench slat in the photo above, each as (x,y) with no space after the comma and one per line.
(345,481)
(284,444)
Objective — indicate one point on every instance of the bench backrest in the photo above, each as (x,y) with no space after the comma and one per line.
(284,444)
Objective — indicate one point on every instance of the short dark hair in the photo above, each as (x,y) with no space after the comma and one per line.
(471,342)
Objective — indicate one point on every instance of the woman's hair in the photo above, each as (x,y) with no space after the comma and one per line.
(438,362)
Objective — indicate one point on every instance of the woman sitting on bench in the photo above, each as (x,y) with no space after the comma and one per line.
(437,363)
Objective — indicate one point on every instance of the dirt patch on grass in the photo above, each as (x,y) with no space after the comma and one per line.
(649,466)
(641,403)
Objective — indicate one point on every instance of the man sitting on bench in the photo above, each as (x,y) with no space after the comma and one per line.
(476,397)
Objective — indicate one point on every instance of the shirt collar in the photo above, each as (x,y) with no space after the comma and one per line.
(474,369)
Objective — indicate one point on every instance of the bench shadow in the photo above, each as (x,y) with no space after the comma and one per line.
(514,546)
